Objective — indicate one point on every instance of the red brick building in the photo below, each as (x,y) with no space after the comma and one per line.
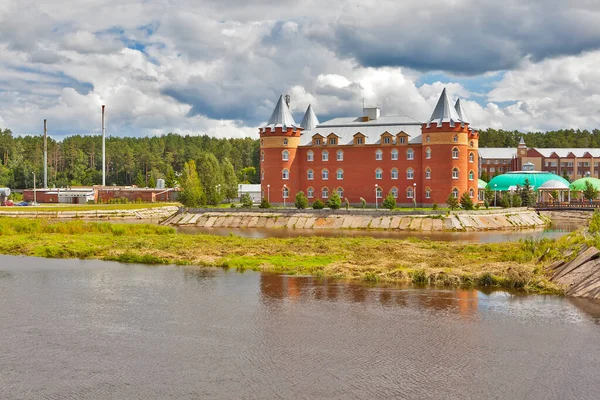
(370,156)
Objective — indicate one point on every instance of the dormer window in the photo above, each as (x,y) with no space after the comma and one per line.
(387,140)
(318,142)
(402,140)
(359,140)
(332,141)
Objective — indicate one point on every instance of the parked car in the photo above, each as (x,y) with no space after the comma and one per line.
(8,203)
(22,204)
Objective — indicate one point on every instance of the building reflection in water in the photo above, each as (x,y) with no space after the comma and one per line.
(292,288)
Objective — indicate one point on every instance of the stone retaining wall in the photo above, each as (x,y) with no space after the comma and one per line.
(158,213)
(461,221)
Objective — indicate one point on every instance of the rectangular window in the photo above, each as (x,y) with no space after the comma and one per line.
(386,140)
(402,139)
(427,194)
(492,169)
(340,156)
(359,140)
(332,141)
(318,142)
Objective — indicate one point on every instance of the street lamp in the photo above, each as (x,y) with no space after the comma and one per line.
(34,196)
(284,194)
(495,186)
(268,193)
(415,195)
(376,185)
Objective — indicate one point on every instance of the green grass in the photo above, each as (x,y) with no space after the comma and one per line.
(424,262)
(87,207)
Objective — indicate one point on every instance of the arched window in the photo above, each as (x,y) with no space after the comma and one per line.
(471,157)
(285,142)
(427,173)
(428,153)
(394,192)
(471,192)
(325,155)
(455,138)
(394,154)
(410,193)
(310,156)
(455,193)
(394,173)
(427,139)
(262,156)
(286,193)
(410,174)
(340,155)
(379,192)
(339,174)
(455,152)
(471,175)
(324,193)
(340,192)
(410,154)
(262,175)
(310,193)
(379,155)
(472,143)
(454,173)
(378,173)
(325,174)
(310,175)
(285,174)
(285,155)
(427,193)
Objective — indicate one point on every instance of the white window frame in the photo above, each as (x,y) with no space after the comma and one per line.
(455,153)
(428,153)
(310,175)
(325,174)
(394,154)
(410,193)
(339,155)
(378,155)
(427,173)
(379,193)
(394,173)
(378,173)
(285,174)
(427,193)
(324,155)
(338,173)
(325,193)
(310,193)
(410,154)
(285,155)
(310,156)
(455,173)
(285,193)
(410,173)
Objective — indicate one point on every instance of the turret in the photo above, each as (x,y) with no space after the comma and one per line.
(279,141)
(450,156)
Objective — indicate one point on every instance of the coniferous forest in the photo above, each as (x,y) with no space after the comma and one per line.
(77,160)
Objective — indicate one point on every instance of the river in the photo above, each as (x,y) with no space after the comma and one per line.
(554,231)
(72,329)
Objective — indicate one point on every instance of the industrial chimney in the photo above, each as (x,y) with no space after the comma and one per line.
(103,150)
(45,155)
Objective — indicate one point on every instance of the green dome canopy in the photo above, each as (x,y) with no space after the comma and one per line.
(579,184)
(511,180)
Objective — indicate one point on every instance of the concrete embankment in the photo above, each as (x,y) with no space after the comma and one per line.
(582,216)
(358,219)
(581,276)
(157,213)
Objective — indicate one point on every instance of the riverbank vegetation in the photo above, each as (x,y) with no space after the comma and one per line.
(501,265)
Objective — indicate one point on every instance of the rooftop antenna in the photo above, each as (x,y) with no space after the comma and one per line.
(45,155)
(103,150)
(287,100)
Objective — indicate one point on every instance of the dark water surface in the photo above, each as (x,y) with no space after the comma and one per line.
(73,329)
(554,231)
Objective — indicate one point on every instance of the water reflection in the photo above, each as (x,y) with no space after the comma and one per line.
(554,231)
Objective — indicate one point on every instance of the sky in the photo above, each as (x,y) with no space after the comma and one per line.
(218,67)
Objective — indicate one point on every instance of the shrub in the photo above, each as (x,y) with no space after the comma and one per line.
(466,202)
(594,227)
(318,205)
(334,202)
(389,202)
(435,206)
(232,205)
(301,201)
(452,202)
(264,203)
(246,200)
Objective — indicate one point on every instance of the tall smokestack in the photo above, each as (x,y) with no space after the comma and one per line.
(45,155)
(103,150)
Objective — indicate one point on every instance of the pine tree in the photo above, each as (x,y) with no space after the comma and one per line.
(139,180)
(301,201)
(452,202)
(334,202)
(590,192)
(152,182)
(170,179)
(389,202)
(466,202)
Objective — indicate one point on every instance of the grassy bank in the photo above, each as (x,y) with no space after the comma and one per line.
(501,265)
(87,207)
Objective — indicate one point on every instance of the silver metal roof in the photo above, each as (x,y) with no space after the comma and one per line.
(346,128)
(281,117)
(554,185)
(460,110)
(496,152)
(565,152)
(522,141)
(444,112)
(310,120)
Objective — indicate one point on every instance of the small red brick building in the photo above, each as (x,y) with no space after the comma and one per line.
(370,156)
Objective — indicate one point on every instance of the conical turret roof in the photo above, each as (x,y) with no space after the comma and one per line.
(522,141)
(310,120)
(461,112)
(444,112)
(281,117)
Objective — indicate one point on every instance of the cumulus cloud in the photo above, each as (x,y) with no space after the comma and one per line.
(219,66)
